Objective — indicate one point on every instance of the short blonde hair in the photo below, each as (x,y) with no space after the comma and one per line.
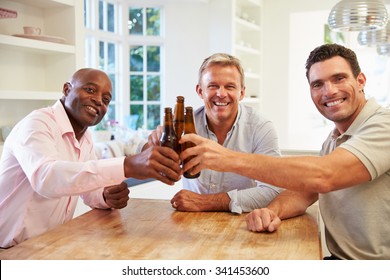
(222,59)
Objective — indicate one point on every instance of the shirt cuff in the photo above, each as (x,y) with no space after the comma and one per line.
(140,146)
(234,206)
(111,171)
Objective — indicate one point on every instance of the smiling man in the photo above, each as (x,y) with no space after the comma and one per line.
(351,178)
(48,160)
(224,120)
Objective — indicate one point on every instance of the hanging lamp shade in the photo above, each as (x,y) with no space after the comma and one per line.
(358,15)
(375,37)
(383,49)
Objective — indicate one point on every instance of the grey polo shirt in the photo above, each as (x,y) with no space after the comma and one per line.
(357,218)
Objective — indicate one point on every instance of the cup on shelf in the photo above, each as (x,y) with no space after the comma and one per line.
(31,30)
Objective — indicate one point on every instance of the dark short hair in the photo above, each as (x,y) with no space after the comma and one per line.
(328,51)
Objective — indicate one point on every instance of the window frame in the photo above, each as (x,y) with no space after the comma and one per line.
(123,40)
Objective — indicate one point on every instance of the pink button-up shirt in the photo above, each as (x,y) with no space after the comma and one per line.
(43,170)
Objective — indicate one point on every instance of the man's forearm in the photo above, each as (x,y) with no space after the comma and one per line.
(289,204)
(216,202)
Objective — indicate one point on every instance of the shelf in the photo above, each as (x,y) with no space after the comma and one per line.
(35,46)
(29,95)
(247,24)
(251,2)
(6,13)
(247,49)
(251,75)
(47,3)
(254,100)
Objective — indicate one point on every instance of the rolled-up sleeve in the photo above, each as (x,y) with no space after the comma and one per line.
(253,198)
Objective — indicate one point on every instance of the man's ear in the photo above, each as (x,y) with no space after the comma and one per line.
(199,91)
(242,93)
(361,79)
(66,88)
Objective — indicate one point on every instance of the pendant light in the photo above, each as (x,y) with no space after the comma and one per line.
(375,37)
(383,49)
(358,15)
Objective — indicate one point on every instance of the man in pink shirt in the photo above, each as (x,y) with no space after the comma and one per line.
(48,161)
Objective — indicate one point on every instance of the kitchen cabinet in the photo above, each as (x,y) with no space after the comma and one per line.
(34,68)
(235,28)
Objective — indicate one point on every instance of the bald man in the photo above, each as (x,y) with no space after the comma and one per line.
(48,160)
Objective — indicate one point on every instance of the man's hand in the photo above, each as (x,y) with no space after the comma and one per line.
(116,196)
(207,154)
(262,219)
(154,136)
(186,200)
(161,163)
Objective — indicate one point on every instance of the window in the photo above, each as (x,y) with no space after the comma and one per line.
(145,67)
(129,50)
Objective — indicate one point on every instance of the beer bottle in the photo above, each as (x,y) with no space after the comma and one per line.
(189,127)
(178,120)
(169,137)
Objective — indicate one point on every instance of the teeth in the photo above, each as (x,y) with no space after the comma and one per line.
(333,103)
(92,109)
(221,104)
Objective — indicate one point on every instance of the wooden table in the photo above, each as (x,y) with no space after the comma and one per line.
(152,229)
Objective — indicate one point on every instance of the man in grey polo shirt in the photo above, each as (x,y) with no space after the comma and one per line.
(351,178)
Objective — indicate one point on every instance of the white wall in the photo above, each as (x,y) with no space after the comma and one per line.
(291,30)
(279,59)
(186,48)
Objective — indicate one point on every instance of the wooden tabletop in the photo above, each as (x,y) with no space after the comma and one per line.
(152,229)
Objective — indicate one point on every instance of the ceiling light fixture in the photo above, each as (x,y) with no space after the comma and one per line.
(375,37)
(358,15)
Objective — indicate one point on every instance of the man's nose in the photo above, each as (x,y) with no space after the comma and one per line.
(330,89)
(97,99)
(222,92)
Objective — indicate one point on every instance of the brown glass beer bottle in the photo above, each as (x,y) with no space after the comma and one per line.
(169,137)
(178,120)
(189,127)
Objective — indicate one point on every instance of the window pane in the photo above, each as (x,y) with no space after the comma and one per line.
(136,87)
(111,112)
(153,88)
(101,16)
(101,55)
(136,59)
(111,57)
(138,110)
(153,116)
(135,24)
(153,55)
(153,21)
(110,17)
(113,81)
(86,11)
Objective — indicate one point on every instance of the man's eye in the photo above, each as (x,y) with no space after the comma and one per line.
(90,90)
(316,86)
(106,100)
